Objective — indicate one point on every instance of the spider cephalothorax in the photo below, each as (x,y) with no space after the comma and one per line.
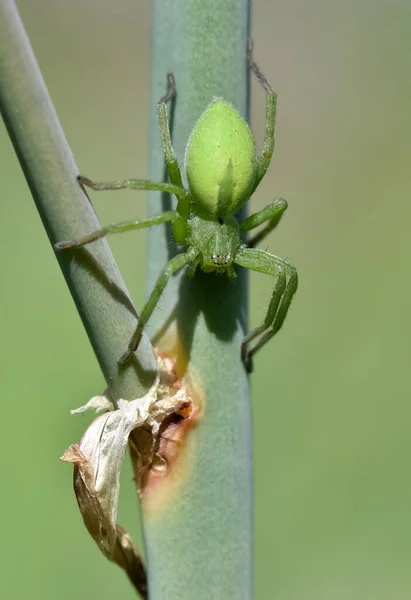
(222,171)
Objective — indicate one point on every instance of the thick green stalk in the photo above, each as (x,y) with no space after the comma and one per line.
(198,531)
(45,157)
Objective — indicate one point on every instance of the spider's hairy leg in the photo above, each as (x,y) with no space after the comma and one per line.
(264,159)
(143,184)
(135,184)
(172,165)
(175,264)
(284,290)
(169,154)
(117,228)
(271,213)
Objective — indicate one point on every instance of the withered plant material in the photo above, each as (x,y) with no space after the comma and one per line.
(97,460)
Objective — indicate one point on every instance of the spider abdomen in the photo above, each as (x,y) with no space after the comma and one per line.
(220,160)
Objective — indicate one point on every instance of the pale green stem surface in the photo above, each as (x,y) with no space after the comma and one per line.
(45,157)
(199,543)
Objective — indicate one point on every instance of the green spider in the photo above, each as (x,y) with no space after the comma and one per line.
(222,171)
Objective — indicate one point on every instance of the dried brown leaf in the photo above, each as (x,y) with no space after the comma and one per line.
(97,460)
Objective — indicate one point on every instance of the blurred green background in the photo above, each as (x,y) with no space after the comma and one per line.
(332,416)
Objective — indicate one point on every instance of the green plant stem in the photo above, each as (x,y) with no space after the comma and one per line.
(199,542)
(45,157)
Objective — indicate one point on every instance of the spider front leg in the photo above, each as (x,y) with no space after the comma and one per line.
(271,213)
(264,159)
(284,290)
(174,265)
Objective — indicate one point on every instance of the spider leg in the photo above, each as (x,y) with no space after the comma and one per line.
(172,165)
(284,290)
(175,264)
(264,159)
(169,154)
(135,184)
(271,213)
(117,228)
